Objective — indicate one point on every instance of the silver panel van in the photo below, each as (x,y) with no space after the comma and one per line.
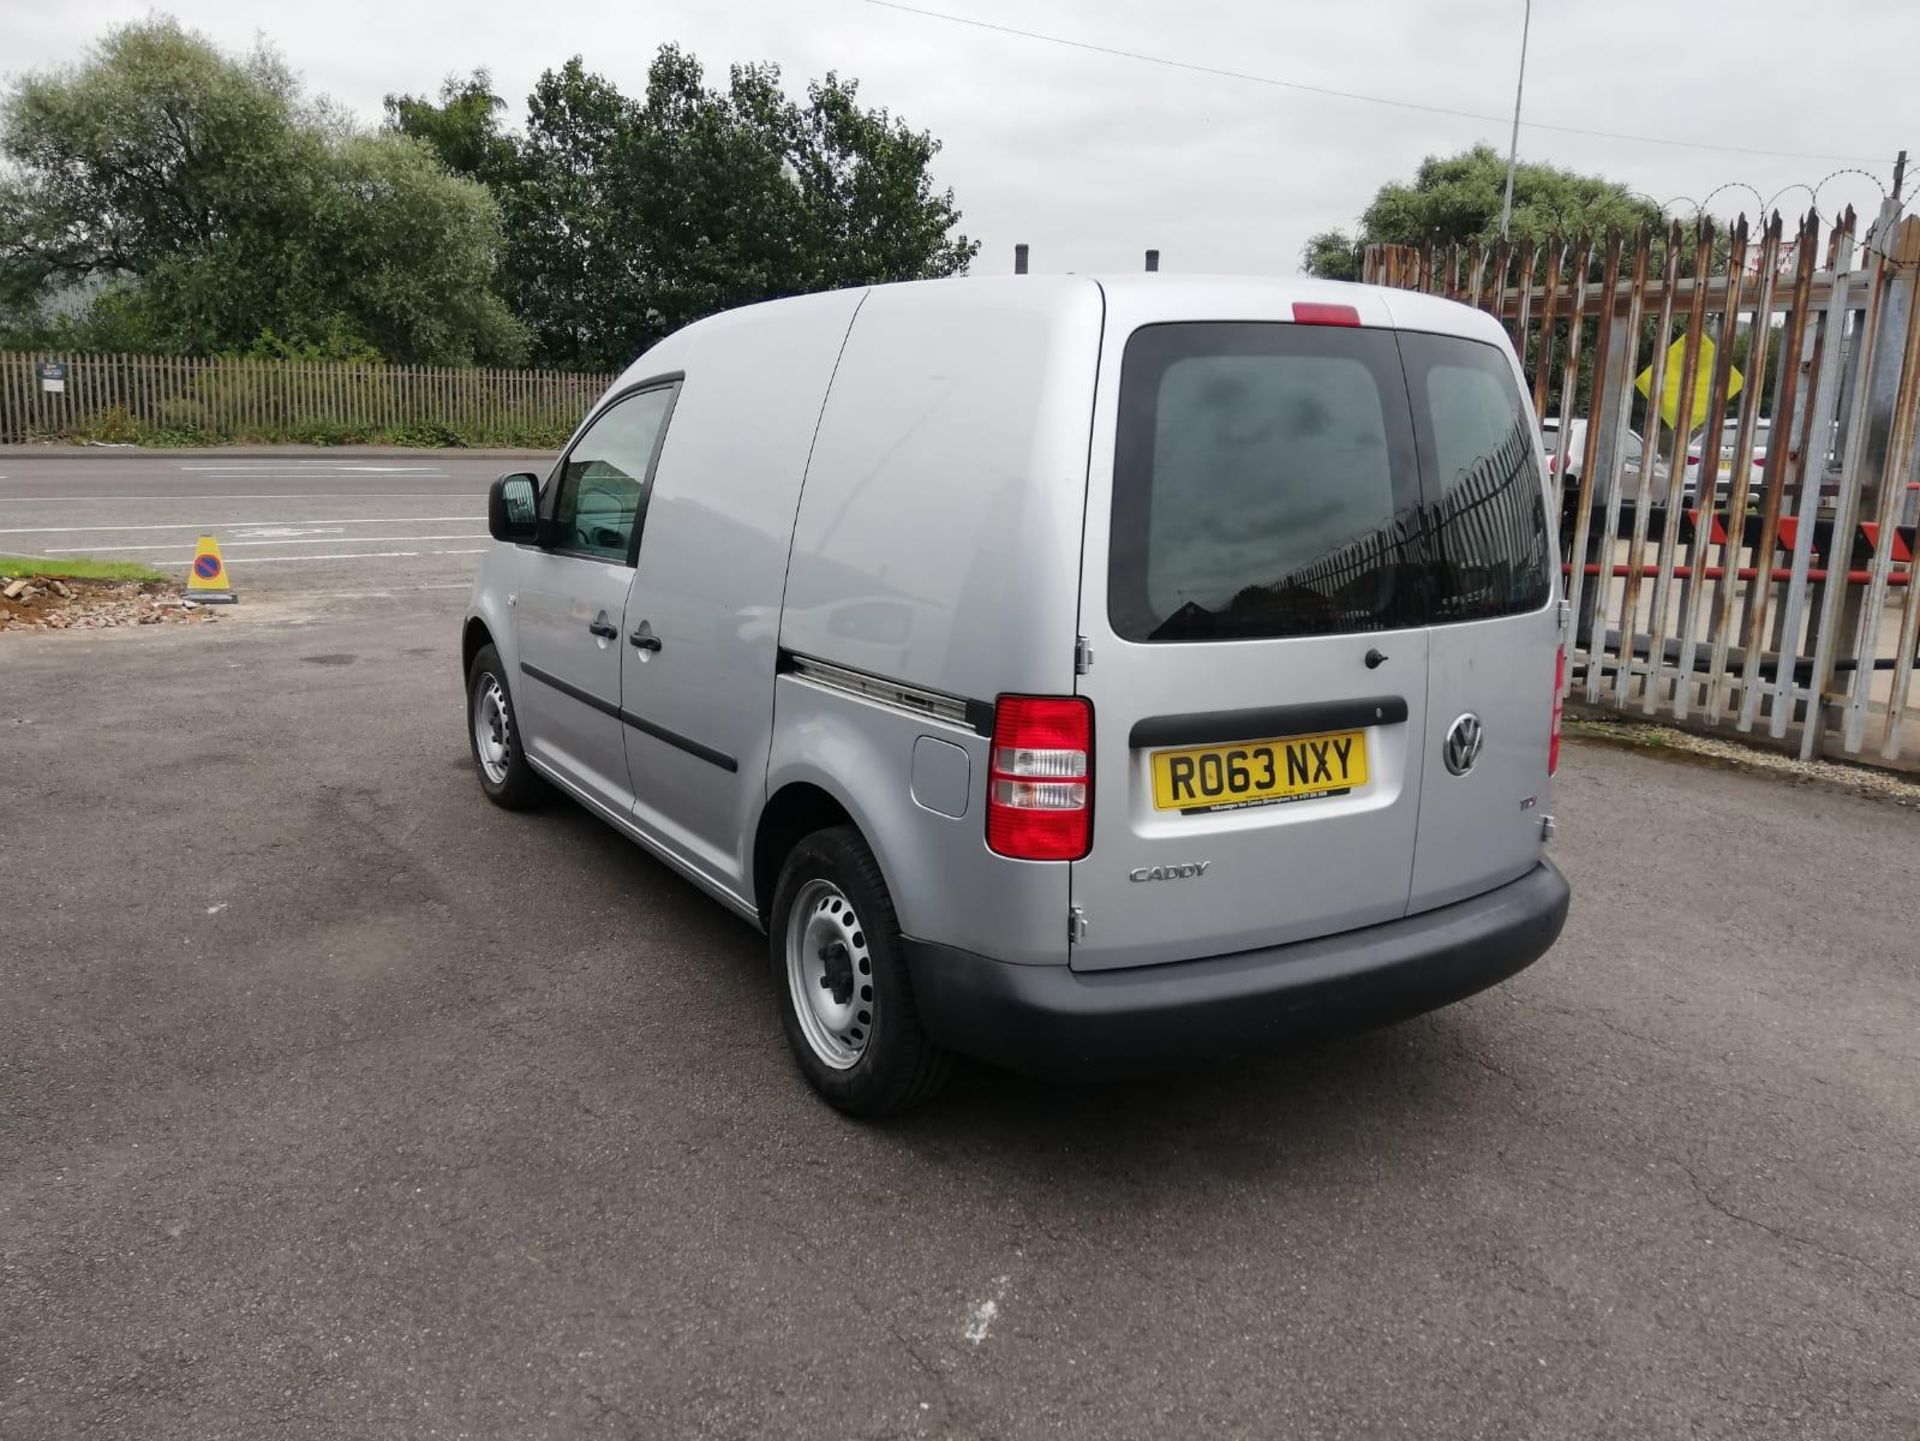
(1090,675)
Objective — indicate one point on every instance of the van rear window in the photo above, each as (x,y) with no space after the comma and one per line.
(1275,480)
(1264,484)
(1486,526)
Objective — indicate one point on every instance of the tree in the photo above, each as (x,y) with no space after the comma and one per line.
(627,220)
(165,196)
(1331,255)
(463,128)
(570,271)
(1456,198)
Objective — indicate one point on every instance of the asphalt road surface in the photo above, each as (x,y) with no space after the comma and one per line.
(336,1103)
(289,522)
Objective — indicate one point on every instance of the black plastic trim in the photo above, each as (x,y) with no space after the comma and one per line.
(567,688)
(686,743)
(1056,1022)
(626,717)
(1267,722)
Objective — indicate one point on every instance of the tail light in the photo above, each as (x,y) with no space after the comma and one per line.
(1040,778)
(1559,705)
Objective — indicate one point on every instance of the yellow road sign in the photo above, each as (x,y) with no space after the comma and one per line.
(1702,385)
(207,577)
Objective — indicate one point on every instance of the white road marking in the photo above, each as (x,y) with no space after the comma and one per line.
(208,525)
(358,555)
(284,532)
(313,467)
(980,1320)
(167,496)
(981,1314)
(232,544)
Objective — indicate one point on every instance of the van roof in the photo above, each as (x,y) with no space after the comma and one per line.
(1133,298)
(1259,296)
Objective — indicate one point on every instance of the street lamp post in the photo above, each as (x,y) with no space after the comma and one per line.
(1513,150)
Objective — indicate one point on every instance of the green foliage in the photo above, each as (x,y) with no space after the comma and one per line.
(1331,255)
(1456,198)
(188,425)
(630,219)
(162,196)
(338,343)
(201,203)
(463,129)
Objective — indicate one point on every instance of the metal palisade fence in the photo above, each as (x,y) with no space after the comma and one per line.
(184,399)
(1731,417)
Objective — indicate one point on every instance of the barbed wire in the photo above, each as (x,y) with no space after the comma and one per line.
(1767,203)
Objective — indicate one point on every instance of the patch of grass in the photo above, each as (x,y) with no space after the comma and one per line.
(117,428)
(1618,730)
(76,568)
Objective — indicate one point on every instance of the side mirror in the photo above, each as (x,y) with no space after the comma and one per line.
(513,508)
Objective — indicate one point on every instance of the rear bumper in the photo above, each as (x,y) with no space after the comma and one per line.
(1053,1021)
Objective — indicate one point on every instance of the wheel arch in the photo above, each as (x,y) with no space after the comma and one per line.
(792,813)
(473,636)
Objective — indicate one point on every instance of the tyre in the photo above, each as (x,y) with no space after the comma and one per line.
(495,735)
(840,981)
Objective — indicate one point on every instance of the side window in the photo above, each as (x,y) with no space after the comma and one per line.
(602,503)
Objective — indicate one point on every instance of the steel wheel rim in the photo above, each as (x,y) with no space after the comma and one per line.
(830,974)
(493,731)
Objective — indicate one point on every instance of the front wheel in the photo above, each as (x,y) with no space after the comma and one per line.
(840,981)
(495,733)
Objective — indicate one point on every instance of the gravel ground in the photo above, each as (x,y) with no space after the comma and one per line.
(57,604)
(1899,787)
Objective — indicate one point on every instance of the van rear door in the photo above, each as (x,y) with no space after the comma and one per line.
(1251,591)
(1494,645)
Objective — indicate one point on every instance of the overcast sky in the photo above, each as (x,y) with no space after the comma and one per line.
(1092,157)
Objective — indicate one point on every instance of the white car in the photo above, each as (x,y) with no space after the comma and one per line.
(1576,449)
(1723,474)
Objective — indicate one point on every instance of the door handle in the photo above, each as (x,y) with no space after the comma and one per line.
(644,639)
(605,629)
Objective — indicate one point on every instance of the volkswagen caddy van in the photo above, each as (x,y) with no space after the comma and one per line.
(1089,675)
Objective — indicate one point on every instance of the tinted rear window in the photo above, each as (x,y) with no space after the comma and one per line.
(1485,525)
(1269,482)
(1265,484)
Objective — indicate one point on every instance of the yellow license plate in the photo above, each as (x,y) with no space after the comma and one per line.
(1253,773)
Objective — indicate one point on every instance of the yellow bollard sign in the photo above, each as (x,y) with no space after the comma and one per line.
(207,580)
(1702,383)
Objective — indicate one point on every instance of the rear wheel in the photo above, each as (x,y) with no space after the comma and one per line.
(497,754)
(840,981)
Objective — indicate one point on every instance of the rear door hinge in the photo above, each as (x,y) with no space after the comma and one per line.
(1076,925)
(1082,655)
